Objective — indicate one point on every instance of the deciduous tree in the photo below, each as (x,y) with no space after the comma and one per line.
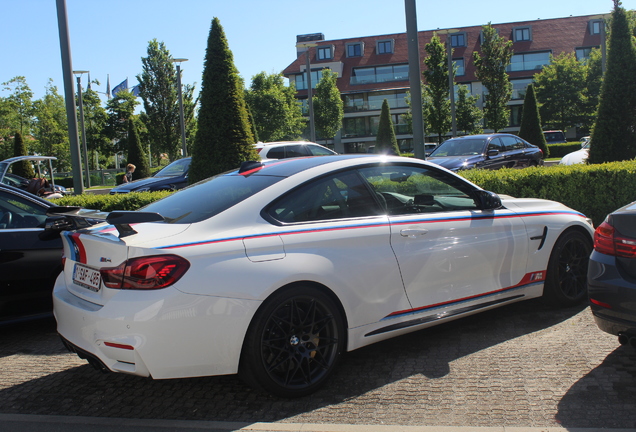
(51,128)
(328,106)
(274,108)
(224,138)
(438,109)
(491,65)
(468,114)
(560,88)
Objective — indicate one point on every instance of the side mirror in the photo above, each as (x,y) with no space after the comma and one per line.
(488,200)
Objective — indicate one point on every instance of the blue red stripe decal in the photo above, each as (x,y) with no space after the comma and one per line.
(76,248)
(528,280)
(372,225)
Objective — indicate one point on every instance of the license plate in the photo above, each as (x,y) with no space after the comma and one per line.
(87,277)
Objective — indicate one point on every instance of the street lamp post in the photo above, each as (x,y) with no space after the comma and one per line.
(81,108)
(184,149)
(310,102)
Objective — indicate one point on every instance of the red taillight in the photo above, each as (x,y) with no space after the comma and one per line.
(258,150)
(608,241)
(151,272)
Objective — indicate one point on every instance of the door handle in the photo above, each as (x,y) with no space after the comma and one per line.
(413,232)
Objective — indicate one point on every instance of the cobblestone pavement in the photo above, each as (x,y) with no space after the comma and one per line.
(521,365)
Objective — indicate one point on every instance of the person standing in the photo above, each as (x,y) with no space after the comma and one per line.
(130,169)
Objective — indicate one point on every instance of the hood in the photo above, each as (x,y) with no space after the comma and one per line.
(143,183)
(455,163)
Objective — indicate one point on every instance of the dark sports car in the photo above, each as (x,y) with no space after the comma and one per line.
(30,256)
(612,275)
(490,151)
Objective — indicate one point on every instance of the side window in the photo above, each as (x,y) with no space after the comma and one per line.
(295,151)
(511,143)
(318,151)
(495,144)
(337,196)
(410,190)
(276,153)
(17,212)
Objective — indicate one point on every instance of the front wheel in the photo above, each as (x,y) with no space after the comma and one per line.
(566,279)
(293,343)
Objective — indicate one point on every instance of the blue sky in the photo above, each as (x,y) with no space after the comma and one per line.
(109,37)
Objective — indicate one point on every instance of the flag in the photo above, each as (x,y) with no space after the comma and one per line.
(108,86)
(121,86)
(135,90)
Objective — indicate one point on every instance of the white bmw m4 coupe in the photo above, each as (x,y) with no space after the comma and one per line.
(275,270)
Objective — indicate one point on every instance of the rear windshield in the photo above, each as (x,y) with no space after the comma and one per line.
(209,198)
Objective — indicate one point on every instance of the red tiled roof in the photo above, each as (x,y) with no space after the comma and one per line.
(555,35)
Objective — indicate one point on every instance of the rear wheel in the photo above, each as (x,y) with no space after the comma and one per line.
(566,279)
(294,342)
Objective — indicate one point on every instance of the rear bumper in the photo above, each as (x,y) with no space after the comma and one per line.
(612,296)
(161,334)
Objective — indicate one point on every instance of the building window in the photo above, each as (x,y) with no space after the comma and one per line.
(324,53)
(519,88)
(301,79)
(354,127)
(459,64)
(378,74)
(384,47)
(515,115)
(529,61)
(521,34)
(458,40)
(595,26)
(396,99)
(354,102)
(354,49)
(582,54)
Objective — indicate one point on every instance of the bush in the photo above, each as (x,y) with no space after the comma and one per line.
(129,201)
(594,190)
(560,150)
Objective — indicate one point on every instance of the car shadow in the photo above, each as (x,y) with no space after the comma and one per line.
(605,397)
(82,391)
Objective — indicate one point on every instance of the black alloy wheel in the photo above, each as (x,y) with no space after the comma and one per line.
(566,279)
(294,342)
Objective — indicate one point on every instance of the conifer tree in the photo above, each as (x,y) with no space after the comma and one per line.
(22,168)
(385,141)
(224,138)
(530,128)
(613,134)
(136,154)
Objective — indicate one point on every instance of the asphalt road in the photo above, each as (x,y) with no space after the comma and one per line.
(524,365)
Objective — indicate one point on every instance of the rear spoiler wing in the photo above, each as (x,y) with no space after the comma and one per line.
(77,217)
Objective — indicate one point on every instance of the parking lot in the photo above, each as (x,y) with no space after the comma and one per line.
(522,365)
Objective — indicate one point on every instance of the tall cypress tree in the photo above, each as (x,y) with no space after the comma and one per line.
(136,154)
(613,136)
(530,128)
(23,168)
(385,141)
(224,137)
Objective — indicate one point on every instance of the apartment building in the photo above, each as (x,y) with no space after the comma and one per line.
(373,68)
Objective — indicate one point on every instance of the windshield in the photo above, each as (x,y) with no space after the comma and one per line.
(460,147)
(209,197)
(175,169)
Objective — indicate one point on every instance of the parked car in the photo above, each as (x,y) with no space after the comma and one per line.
(554,137)
(173,177)
(489,151)
(290,149)
(612,275)
(42,185)
(29,260)
(578,157)
(276,269)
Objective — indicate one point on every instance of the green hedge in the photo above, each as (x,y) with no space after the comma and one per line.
(560,150)
(129,201)
(594,190)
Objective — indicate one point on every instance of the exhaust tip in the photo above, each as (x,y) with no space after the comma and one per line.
(623,338)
